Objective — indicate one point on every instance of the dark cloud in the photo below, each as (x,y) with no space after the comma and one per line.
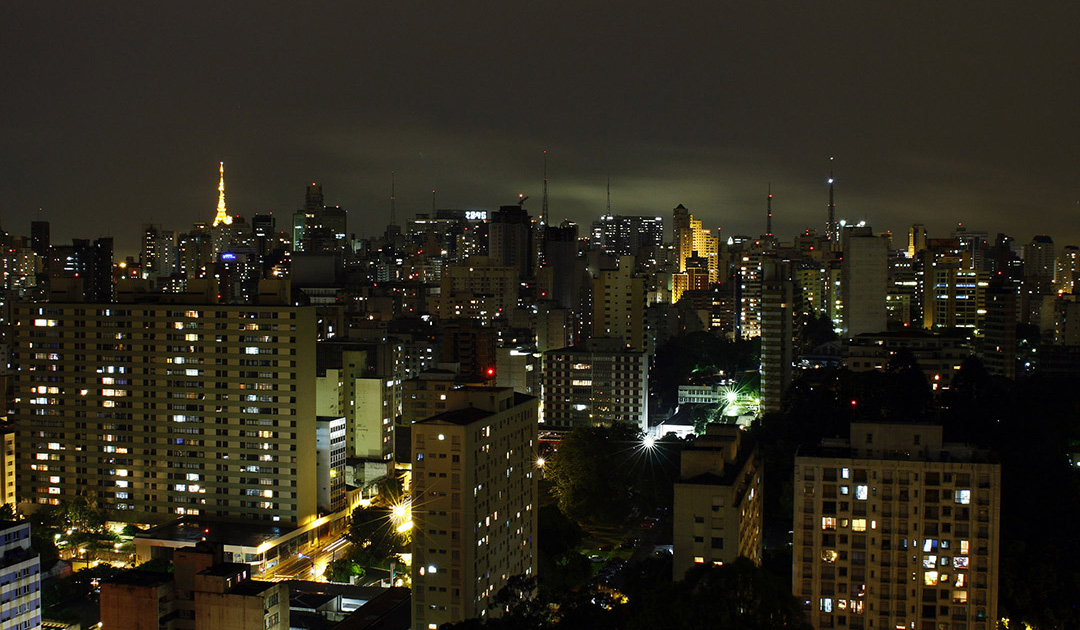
(113,114)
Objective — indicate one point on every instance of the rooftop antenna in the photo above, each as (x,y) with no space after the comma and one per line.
(830,228)
(768,221)
(609,194)
(544,205)
(433,203)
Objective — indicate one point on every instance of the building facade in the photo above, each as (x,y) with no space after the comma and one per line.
(474,504)
(717,516)
(601,382)
(20,578)
(894,528)
(159,410)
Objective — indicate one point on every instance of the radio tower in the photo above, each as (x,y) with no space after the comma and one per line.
(768,220)
(222,216)
(609,194)
(830,227)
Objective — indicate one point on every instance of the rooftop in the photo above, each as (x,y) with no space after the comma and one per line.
(193,531)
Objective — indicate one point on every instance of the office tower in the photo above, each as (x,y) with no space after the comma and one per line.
(599,382)
(865,272)
(955,294)
(473,504)
(894,528)
(510,239)
(718,504)
(39,237)
(693,240)
(158,410)
(619,304)
(916,240)
(20,574)
(627,235)
(680,220)
(903,300)
(777,336)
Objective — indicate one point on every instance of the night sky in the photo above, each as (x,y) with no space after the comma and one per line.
(116,114)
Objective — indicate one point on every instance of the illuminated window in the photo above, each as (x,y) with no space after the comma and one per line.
(828,522)
(930,578)
(860,493)
(959,597)
(826,604)
(829,555)
(963,497)
(858,524)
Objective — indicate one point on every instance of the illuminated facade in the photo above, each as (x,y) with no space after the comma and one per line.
(894,529)
(159,410)
(474,492)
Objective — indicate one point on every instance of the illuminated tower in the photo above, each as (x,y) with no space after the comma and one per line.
(222,216)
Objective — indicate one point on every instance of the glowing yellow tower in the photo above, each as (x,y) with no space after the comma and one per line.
(222,215)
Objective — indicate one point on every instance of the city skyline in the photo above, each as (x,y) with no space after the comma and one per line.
(934,116)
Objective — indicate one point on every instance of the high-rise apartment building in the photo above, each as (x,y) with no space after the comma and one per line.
(158,410)
(717,516)
(601,382)
(895,529)
(474,504)
(619,304)
(510,240)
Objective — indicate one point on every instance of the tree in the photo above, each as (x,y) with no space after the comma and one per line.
(375,536)
(737,596)
(599,474)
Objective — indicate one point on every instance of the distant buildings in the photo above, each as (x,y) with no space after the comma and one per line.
(894,528)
